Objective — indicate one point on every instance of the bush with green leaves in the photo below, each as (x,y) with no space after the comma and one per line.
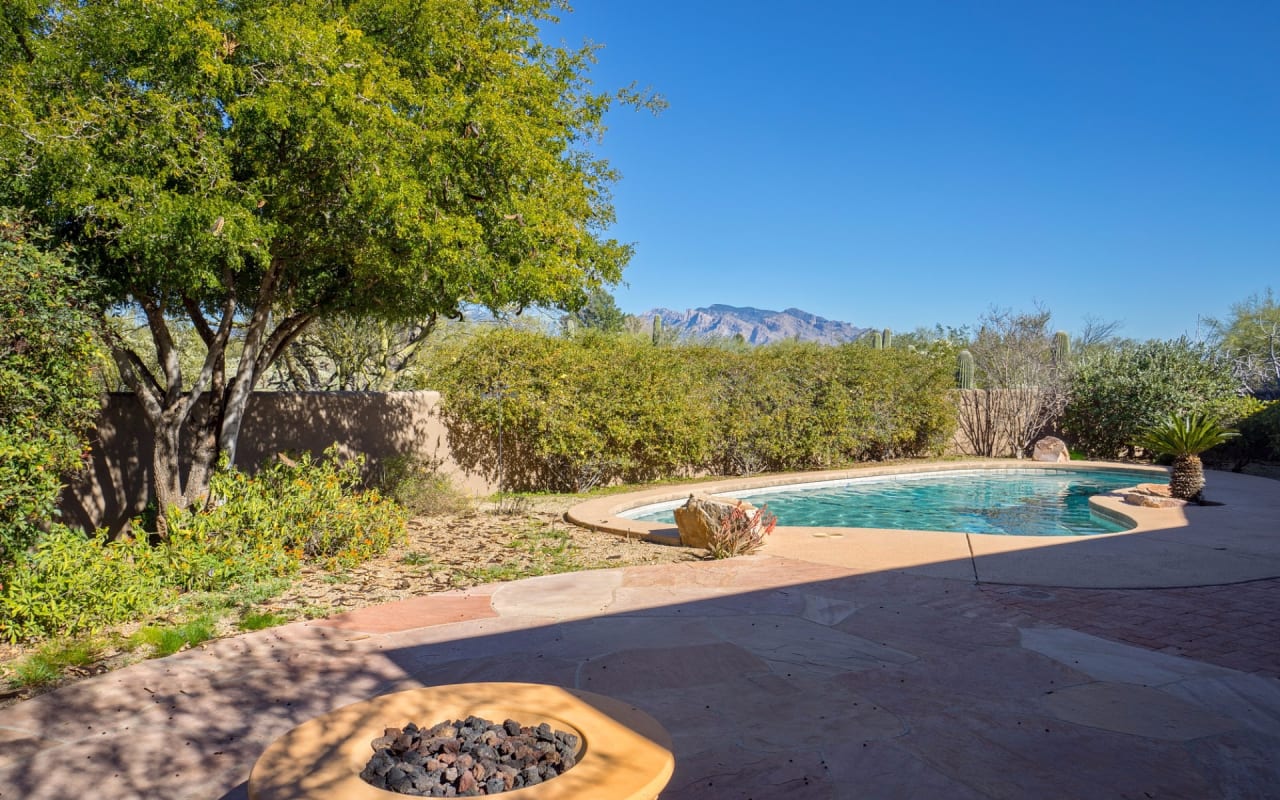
(48,393)
(420,487)
(1116,393)
(1260,432)
(71,583)
(308,509)
(569,413)
(1259,438)
(263,527)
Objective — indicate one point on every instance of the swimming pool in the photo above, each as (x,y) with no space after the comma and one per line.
(1010,502)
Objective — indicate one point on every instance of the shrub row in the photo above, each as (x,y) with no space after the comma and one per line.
(264,526)
(1259,439)
(568,413)
(1114,393)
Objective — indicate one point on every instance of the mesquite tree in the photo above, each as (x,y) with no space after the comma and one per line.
(250,167)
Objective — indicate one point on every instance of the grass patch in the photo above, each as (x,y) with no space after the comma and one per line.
(334,578)
(511,505)
(33,672)
(168,640)
(260,620)
(415,558)
(47,664)
(539,549)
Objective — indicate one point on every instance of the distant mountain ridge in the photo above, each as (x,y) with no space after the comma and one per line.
(756,325)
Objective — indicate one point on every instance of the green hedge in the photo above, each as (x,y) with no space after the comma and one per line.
(1259,439)
(1260,433)
(1115,393)
(596,408)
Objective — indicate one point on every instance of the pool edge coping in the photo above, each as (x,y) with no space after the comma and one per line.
(602,513)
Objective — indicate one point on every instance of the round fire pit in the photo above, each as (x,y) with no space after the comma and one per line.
(623,753)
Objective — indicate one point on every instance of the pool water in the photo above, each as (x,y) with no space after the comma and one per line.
(1003,502)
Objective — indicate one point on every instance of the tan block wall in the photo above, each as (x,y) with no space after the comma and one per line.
(377,425)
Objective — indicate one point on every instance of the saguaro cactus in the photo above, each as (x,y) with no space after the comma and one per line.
(873,338)
(657,330)
(1061,348)
(964,369)
(886,338)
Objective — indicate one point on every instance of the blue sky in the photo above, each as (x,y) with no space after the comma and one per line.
(908,163)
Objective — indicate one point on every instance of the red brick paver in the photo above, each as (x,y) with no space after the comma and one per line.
(1236,626)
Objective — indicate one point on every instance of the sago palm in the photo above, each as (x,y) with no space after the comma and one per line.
(1185,438)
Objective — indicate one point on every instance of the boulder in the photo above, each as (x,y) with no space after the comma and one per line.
(1052,449)
(1152,500)
(701,515)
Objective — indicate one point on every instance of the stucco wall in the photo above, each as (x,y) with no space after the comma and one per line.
(374,424)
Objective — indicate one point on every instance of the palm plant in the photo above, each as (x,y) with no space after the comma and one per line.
(1185,438)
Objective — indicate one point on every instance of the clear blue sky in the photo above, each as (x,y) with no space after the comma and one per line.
(905,163)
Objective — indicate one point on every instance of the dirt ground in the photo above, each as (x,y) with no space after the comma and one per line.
(482,544)
(470,548)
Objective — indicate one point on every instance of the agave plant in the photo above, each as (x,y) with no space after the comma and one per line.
(1185,438)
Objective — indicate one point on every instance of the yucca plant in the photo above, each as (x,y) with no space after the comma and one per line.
(1185,438)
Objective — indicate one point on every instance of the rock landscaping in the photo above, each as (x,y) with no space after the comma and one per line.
(468,758)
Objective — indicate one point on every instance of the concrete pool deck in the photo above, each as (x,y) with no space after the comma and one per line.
(1193,546)
(777,676)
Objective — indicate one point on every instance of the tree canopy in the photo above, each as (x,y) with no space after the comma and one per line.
(253,166)
(1250,338)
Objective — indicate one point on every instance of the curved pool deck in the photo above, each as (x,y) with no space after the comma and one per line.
(1235,542)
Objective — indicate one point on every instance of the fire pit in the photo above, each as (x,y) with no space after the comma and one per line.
(623,753)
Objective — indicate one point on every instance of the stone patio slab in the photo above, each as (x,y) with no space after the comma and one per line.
(900,678)
(1135,710)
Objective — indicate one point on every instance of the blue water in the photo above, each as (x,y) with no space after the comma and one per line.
(1007,502)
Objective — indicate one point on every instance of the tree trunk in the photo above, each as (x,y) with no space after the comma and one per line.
(166,468)
(1187,478)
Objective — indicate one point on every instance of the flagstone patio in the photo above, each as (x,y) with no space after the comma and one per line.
(777,675)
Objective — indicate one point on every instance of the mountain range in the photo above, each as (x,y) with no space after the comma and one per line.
(755,325)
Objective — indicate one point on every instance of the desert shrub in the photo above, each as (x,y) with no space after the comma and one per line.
(70,583)
(48,393)
(1259,438)
(263,527)
(1260,432)
(740,531)
(1115,393)
(1018,390)
(313,510)
(567,413)
(796,405)
(899,402)
(419,487)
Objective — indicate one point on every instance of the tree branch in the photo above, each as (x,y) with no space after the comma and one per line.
(134,372)
(285,333)
(166,352)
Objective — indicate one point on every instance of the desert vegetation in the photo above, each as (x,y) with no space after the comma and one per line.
(328,197)
(568,413)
